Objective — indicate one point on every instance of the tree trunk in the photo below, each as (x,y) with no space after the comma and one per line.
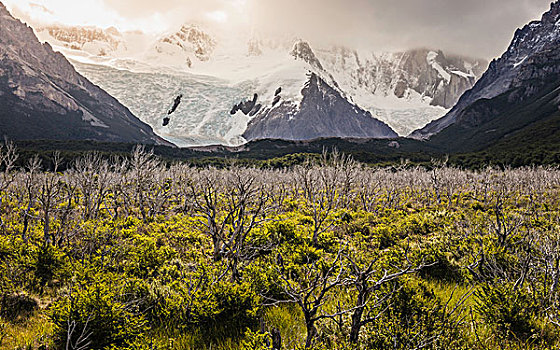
(315,239)
(217,255)
(46,228)
(311,333)
(276,339)
(356,325)
(235,275)
(363,295)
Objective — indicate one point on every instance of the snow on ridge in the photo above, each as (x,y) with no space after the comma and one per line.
(520,62)
(432,55)
(463,74)
(205,117)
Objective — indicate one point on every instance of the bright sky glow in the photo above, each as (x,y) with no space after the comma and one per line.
(100,14)
(481,28)
(217,16)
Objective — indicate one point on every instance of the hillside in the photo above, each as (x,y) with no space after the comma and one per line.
(43,97)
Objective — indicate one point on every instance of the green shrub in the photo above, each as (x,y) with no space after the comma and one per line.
(512,312)
(101,313)
(226,310)
(415,318)
(442,270)
(16,307)
(49,264)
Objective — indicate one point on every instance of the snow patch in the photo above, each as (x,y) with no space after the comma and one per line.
(432,55)
(517,64)
(88,117)
(463,74)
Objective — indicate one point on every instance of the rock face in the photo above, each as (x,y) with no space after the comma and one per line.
(528,68)
(323,112)
(432,75)
(43,97)
(191,40)
(96,41)
(302,51)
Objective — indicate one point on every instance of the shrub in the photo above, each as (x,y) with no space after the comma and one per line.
(226,310)
(512,312)
(15,307)
(49,264)
(415,318)
(100,313)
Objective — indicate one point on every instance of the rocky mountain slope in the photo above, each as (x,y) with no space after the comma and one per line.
(95,41)
(322,112)
(190,43)
(315,108)
(435,77)
(403,90)
(43,97)
(525,77)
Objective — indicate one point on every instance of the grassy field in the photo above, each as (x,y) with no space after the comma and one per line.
(134,253)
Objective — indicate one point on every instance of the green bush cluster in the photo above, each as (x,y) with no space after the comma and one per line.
(325,255)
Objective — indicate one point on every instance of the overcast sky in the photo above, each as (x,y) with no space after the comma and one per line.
(481,28)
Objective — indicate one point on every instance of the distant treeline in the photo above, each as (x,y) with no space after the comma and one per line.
(282,154)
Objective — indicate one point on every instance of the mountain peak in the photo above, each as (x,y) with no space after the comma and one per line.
(323,112)
(534,36)
(190,38)
(525,72)
(43,97)
(553,14)
(302,50)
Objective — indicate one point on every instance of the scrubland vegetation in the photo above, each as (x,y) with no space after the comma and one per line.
(130,253)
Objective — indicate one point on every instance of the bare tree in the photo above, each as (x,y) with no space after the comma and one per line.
(367,279)
(309,287)
(94,179)
(8,158)
(49,196)
(31,190)
(320,188)
(82,342)
(230,205)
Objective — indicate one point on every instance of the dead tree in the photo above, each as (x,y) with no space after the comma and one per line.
(8,158)
(31,190)
(367,279)
(143,166)
(309,288)
(230,205)
(94,179)
(319,186)
(49,197)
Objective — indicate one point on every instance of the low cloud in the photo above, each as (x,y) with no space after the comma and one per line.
(480,28)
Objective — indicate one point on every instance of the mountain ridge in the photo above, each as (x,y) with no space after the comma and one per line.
(521,72)
(322,112)
(42,96)
(405,93)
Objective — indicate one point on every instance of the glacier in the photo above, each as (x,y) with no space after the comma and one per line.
(203,117)
(215,73)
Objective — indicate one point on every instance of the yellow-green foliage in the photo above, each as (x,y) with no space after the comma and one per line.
(141,256)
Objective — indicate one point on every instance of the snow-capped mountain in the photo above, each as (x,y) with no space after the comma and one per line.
(404,90)
(43,97)
(528,65)
(95,41)
(188,46)
(322,112)
(408,89)
(319,109)
(429,75)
